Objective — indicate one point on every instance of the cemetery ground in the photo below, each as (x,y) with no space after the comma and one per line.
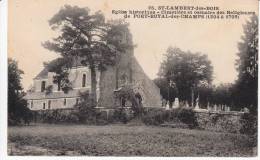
(124,140)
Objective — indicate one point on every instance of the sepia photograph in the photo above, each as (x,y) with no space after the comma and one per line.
(129,78)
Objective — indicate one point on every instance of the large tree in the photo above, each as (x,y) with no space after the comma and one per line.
(87,37)
(17,109)
(185,72)
(222,94)
(247,66)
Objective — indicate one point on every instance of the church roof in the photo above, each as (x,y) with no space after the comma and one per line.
(44,72)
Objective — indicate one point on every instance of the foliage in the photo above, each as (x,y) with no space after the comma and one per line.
(128,93)
(187,116)
(167,92)
(86,38)
(222,94)
(153,117)
(249,124)
(75,116)
(48,89)
(120,115)
(17,106)
(57,116)
(185,71)
(86,111)
(61,66)
(179,115)
(247,66)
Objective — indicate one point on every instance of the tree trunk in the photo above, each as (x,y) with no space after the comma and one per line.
(116,77)
(192,97)
(93,85)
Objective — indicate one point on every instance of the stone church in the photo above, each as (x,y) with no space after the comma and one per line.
(126,72)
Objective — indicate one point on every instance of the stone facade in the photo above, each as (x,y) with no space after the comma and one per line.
(126,71)
(38,99)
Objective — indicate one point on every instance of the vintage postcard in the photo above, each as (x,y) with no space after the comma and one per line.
(148,78)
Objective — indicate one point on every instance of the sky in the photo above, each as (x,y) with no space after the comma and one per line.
(28,28)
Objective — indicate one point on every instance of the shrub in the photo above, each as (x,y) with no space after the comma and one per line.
(85,109)
(159,116)
(58,116)
(187,116)
(120,115)
(248,124)
(153,116)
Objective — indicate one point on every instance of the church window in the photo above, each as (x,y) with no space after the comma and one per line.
(43,86)
(84,80)
(123,102)
(77,101)
(65,102)
(49,104)
(31,104)
(59,85)
(123,79)
(43,105)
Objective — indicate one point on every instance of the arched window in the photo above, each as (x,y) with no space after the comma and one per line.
(43,86)
(65,102)
(84,80)
(32,104)
(43,105)
(77,101)
(123,79)
(49,104)
(58,85)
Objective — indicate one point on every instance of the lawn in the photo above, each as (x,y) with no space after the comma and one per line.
(123,140)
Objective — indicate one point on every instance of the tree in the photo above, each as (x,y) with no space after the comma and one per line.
(247,66)
(222,94)
(17,109)
(185,71)
(167,92)
(85,37)
(86,112)
(127,93)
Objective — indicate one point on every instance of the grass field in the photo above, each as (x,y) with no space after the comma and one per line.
(122,140)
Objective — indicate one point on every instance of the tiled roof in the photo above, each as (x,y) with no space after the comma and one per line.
(44,73)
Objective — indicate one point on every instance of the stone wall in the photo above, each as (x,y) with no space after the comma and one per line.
(54,116)
(219,121)
(68,115)
(186,117)
(127,71)
(51,103)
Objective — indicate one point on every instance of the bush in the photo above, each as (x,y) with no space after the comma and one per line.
(20,116)
(179,115)
(120,115)
(249,124)
(76,115)
(58,116)
(153,116)
(188,117)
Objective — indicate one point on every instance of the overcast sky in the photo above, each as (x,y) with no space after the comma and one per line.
(28,28)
